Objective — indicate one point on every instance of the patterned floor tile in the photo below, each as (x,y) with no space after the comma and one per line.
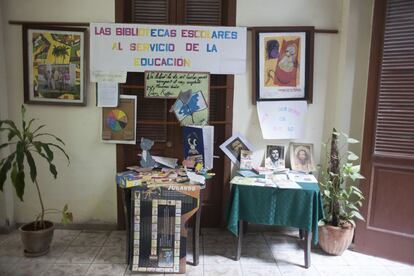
(67,270)
(260,270)
(255,255)
(111,255)
(194,270)
(216,256)
(78,255)
(228,270)
(116,238)
(106,269)
(30,267)
(294,270)
(90,238)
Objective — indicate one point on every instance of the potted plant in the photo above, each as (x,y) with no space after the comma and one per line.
(26,140)
(342,198)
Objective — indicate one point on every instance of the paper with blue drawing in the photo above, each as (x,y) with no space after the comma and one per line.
(282,119)
(191,108)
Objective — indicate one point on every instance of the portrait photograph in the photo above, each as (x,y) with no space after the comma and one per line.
(275,157)
(301,157)
(54,65)
(283,63)
(233,146)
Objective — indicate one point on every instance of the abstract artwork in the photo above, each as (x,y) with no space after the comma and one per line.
(118,123)
(283,63)
(54,65)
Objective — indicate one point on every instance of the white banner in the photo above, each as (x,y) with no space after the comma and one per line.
(117,48)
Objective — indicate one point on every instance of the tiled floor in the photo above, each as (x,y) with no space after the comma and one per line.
(264,253)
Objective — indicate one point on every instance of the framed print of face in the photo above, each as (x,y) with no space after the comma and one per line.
(54,65)
(301,157)
(233,146)
(275,157)
(283,63)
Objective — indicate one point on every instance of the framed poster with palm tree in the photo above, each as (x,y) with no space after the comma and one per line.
(54,65)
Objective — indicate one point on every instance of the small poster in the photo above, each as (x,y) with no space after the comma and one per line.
(168,85)
(282,119)
(119,123)
(191,108)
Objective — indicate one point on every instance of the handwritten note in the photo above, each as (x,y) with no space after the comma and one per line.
(282,119)
(169,84)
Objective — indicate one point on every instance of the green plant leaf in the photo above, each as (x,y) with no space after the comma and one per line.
(49,134)
(352,141)
(19,184)
(32,165)
(52,169)
(38,128)
(49,153)
(61,149)
(13,128)
(357,215)
(5,168)
(327,193)
(352,156)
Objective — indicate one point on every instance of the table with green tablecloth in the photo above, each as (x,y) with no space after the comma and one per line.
(299,208)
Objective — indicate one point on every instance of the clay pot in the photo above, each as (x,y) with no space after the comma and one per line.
(36,242)
(335,240)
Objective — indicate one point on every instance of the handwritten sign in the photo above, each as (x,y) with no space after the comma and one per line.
(282,119)
(139,47)
(164,84)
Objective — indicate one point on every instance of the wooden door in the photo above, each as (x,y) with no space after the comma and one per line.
(388,148)
(154,120)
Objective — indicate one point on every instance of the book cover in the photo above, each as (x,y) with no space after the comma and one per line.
(198,141)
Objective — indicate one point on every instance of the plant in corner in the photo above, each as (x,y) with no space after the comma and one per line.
(37,235)
(342,198)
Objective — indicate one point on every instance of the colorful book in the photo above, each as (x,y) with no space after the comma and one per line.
(199,142)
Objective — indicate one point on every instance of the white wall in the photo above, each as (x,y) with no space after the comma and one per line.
(87,185)
(6,198)
(335,66)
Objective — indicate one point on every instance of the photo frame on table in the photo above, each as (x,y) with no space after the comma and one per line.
(54,62)
(301,157)
(233,146)
(282,63)
(275,157)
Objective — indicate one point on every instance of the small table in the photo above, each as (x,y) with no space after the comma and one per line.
(299,208)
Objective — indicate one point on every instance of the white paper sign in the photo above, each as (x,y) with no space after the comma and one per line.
(107,94)
(282,119)
(139,48)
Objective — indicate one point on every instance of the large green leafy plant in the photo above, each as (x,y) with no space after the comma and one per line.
(25,141)
(338,176)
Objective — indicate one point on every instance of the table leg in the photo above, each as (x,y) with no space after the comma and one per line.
(301,234)
(239,240)
(196,238)
(308,240)
(126,201)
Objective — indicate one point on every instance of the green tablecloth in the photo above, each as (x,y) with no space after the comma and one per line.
(300,208)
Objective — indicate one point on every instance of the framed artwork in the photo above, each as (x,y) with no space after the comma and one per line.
(275,157)
(119,123)
(233,146)
(283,63)
(54,65)
(301,157)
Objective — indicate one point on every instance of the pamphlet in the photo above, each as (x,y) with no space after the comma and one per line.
(302,177)
(199,140)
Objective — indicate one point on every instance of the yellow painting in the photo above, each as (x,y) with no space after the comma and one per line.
(55,66)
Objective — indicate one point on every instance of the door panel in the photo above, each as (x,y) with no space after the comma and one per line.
(388,148)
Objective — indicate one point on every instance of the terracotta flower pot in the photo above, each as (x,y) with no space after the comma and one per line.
(36,242)
(335,240)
